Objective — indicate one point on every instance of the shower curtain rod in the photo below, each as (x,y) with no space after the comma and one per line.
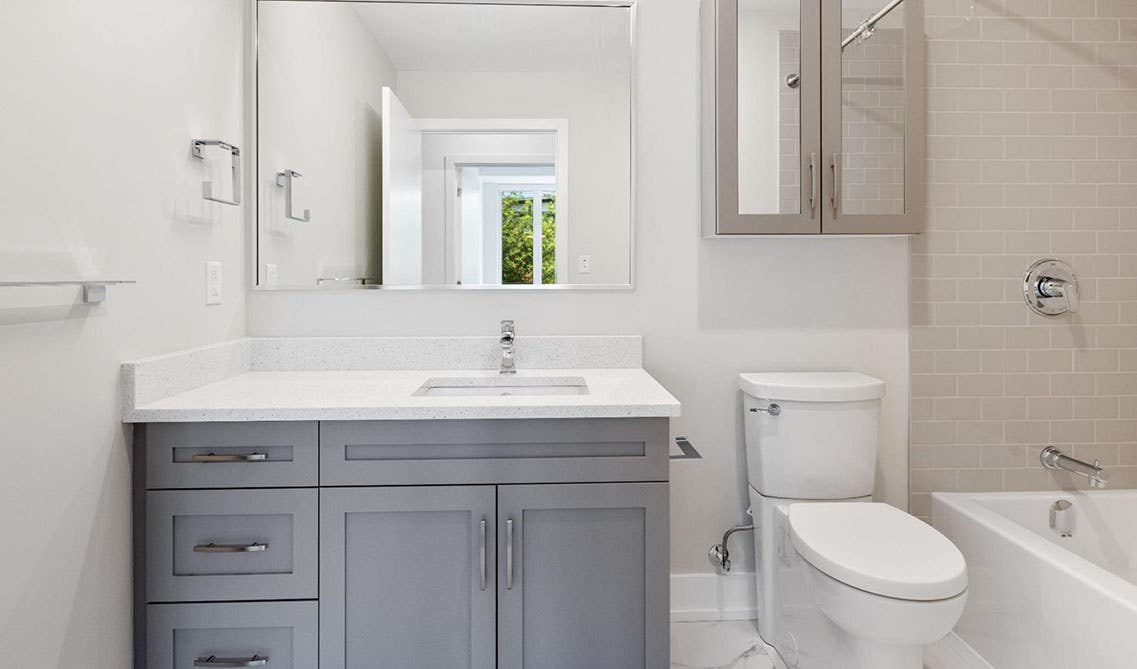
(870,23)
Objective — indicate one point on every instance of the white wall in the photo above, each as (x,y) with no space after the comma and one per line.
(100,101)
(707,309)
(597,111)
(320,74)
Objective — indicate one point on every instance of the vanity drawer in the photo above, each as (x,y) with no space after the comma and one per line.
(493,451)
(212,545)
(184,636)
(231,455)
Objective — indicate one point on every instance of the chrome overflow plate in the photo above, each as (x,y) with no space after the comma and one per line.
(1050,287)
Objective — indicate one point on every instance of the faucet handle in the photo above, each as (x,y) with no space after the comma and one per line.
(1070,290)
(1051,288)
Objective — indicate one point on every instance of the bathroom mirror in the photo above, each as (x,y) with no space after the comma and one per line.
(462,145)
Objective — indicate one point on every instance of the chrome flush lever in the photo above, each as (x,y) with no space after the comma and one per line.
(773,410)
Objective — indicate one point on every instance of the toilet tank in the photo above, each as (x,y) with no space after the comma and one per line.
(820,440)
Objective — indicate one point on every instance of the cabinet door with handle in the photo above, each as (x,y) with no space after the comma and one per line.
(873,119)
(407,578)
(583,576)
(762,165)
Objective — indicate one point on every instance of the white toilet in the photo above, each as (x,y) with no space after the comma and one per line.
(843,583)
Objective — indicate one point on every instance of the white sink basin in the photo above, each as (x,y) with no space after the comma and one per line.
(502,386)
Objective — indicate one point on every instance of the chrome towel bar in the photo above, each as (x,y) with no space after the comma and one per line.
(94,290)
(284,180)
(198,148)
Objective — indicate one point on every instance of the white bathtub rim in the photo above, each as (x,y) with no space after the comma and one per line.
(1101,580)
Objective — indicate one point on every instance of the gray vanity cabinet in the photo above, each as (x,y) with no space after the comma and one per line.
(583,576)
(451,543)
(406,577)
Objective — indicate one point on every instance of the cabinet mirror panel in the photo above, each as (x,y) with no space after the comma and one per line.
(872,107)
(769,106)
(459,145)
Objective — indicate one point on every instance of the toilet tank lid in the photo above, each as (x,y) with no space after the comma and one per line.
(812,386)
(879,549)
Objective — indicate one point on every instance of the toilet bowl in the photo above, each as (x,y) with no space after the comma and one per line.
(889,583)
(843,583)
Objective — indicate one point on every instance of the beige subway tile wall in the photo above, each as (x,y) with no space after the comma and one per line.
(1032,153)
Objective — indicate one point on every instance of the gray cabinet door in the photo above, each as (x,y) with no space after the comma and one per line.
(761,106)
(407,577)
(583,576)
(873,121)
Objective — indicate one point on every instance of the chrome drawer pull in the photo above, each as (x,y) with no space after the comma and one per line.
(230,548)
(214,661)
(246,457)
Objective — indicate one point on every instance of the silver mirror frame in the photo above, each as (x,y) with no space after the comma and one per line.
(251,166)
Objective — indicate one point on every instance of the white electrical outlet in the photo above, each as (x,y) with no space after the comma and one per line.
(213,282)
(270,275)
(584,264)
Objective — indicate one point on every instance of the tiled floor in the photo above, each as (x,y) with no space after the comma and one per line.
(717,645)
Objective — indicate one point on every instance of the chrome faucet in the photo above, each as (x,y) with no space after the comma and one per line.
(508,364)
(1052,458)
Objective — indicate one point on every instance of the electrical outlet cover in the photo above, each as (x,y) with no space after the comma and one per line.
(213,282)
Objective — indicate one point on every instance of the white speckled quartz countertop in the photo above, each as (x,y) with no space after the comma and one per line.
(369,379)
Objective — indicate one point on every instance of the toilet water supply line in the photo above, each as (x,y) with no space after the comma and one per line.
(720,553)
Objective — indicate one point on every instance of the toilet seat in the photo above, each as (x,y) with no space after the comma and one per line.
(879,549)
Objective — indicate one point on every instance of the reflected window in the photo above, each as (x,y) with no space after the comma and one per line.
(522,248)
(507,224)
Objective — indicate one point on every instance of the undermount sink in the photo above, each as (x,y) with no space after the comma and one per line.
(502,386)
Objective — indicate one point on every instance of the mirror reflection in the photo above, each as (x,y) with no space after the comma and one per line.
(769,106)
(415,144)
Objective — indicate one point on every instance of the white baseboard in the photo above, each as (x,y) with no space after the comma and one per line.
(952,652)
(709,597)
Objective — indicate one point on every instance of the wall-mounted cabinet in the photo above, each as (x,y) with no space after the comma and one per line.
(812,117)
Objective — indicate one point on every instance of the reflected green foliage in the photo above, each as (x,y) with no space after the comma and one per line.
(549,241)
(517,239)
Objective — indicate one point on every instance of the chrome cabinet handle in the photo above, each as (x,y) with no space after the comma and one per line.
(214,661)
(244,457)
(509,554)
(835,166)
(230,548)
(482,557)
(198,147)
(813,183)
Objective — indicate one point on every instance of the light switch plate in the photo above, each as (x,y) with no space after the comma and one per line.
(270,275)
(213,282)
(584,264)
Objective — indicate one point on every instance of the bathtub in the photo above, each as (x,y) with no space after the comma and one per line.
(1039,600)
